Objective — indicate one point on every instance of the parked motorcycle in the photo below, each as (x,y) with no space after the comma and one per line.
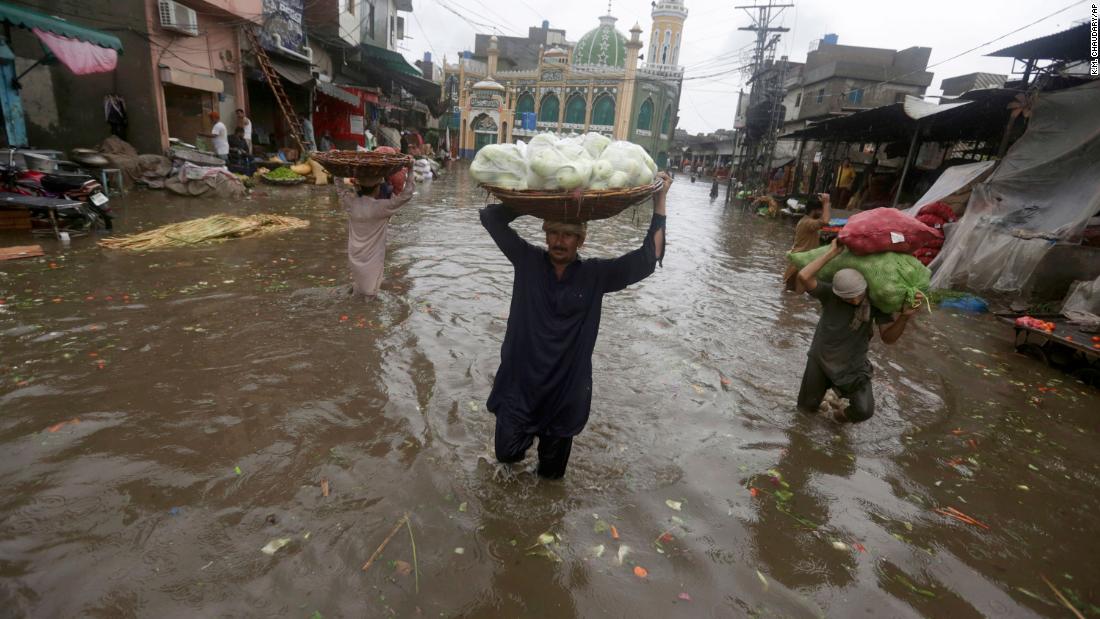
(94,212)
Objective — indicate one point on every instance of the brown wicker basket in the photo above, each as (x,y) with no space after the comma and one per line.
(573,206)
(353,164)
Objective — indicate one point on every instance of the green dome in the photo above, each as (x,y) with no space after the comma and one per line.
(603,46)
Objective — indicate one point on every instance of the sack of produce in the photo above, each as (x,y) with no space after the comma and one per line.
(931,220)
(893,279)
(500,165)
(595,144)
(885,230)
(630,165)
(939,209)
(563,165)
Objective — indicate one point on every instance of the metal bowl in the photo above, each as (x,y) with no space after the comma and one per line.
(40,163)
(92,159)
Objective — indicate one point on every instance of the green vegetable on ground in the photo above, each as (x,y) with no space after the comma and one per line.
(893,279)
(282,174)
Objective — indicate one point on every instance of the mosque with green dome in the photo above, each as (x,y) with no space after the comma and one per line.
(627,88)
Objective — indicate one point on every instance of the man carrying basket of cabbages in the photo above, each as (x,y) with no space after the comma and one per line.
(369,212)
(543,388)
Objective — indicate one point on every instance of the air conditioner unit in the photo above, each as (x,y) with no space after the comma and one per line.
(175,16)
(400,28)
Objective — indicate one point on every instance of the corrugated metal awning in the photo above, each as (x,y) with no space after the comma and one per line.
(334,91)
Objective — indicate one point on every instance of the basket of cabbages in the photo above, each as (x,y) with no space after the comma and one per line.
(572,179)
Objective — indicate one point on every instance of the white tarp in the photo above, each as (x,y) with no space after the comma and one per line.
(1044,191)
(954,179)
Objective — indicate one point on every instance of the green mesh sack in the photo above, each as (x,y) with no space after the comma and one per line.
(893,279)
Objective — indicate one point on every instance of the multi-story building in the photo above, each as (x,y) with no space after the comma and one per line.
(955,86)
(841,79)
(594,85)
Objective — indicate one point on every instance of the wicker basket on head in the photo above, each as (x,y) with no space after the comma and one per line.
(353,164)
(573,206)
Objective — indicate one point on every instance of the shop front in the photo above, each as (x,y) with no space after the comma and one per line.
(188,100)
(269,129)
(338,114)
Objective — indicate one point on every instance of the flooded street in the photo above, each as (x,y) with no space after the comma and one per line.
(165,415)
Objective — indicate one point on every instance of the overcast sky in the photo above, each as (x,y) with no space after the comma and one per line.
(712,43)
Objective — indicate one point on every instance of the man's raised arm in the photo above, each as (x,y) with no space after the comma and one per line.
(496,218)
(635,266)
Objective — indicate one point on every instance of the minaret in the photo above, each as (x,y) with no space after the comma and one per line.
(626,97)
(668,27)
(493,52)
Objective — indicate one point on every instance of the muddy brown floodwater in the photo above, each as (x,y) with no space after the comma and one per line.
(164,416)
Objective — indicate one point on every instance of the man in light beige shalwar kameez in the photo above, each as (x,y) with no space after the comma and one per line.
(368,221)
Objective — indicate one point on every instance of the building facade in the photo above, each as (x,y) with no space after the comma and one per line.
(595,85)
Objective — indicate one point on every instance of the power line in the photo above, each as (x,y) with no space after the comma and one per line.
(961,54)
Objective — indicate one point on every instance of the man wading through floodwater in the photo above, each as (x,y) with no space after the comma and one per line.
(543,387)
(838,353)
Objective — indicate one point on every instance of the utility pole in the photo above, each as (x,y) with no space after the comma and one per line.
(764,14)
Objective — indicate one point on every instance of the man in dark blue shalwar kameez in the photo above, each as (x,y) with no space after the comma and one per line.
(543,388)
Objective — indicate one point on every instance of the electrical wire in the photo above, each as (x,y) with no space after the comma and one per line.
(960,54)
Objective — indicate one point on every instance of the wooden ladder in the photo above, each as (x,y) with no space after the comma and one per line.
(277,88)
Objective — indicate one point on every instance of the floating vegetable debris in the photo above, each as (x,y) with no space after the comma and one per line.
(274,545)
(215,228)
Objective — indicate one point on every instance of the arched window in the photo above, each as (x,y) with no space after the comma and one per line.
(664,48)
(603,110)
(548,111)
(574,110)
(645,115)
(676,49)
(526,103)
(666,122)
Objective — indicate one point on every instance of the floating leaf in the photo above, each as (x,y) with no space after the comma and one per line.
(598,550)
(274,545)
(462,506)
(600,527)
(546,539)
(237,470)
(403,568)
(676,505)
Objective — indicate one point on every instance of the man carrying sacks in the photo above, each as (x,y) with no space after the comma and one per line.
(543,387)
(838,353)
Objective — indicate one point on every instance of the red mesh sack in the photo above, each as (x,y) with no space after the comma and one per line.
(934,244)
(930,220)
(397,179)
(885,229)
(942,210)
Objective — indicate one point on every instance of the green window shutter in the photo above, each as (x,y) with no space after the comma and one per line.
(574,110)
(548,113)
(603,110)
(645,115)
(526,103)
(667,121)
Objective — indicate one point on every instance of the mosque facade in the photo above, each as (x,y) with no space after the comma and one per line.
(597,84)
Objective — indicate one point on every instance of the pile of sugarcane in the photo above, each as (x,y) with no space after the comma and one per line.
(213,229)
